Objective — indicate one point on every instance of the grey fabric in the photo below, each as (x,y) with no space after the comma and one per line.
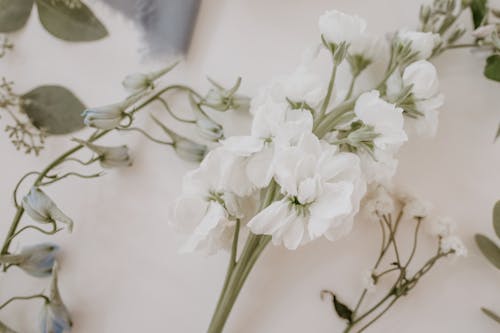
(167,24)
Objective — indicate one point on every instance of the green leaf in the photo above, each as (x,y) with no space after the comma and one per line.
(54,109)
(342,310)
(496,218)
(498,133)
(14,14)
(492,69)
(479,10)
(77,24)
(491,314)
(489,249)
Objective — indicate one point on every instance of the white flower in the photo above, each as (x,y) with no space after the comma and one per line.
(109,157)
(337,27)
(273,128)
(37,260)
(368,281)
(368,47)
(205,210)
(380,202)
(42,209)
(319,186)
(422,43)
(455,244)
(484,31)
(380,169)
(442,227)
(386,118)
(423,79)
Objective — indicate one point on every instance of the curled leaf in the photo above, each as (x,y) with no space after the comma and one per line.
(496,218)
(342,310)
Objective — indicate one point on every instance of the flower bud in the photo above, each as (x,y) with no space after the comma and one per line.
(189,150)
(221,99)
(421,43)
(109,157)
(37,260)
(104,117)
(141,81)
(484,31)
(42,209)
(209,129)
(55,317)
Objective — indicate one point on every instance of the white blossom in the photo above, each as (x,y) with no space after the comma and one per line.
(55,316)
(109,157)
(422,77)
(386,119)
(337,27)
(205,209)
(104,117)
(453,243)
(312,176)
(422,43)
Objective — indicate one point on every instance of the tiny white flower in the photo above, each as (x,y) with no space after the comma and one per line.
(337,27)
(416,208)
(368,281)
(455,244)
(422,43)
(380,202)
(109,157)
(386,118)
(442,226)
(484,31)
(42,209)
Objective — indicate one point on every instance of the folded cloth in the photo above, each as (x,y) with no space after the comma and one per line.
(166,25)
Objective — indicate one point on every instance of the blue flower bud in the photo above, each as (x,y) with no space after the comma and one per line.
(37,260)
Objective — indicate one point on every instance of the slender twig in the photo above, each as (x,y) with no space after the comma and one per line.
(24,298)
(137,129)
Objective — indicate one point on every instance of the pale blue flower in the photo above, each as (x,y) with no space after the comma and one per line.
(37,260)
(55,317)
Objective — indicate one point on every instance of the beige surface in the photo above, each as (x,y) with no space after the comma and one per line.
(121,271)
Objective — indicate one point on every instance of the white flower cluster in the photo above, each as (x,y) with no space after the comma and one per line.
(311,159)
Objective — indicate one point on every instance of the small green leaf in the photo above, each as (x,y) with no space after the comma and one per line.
(491,314)
(492,69)
(479,10)
(14,14)
(498,133)
(496,218)
(76,24)
(342,310)
(54,109)
(489,249)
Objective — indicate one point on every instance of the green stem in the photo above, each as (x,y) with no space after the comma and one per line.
(24,298)
(324,106)
(238,273)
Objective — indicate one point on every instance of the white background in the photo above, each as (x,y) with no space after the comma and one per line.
(120,268)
